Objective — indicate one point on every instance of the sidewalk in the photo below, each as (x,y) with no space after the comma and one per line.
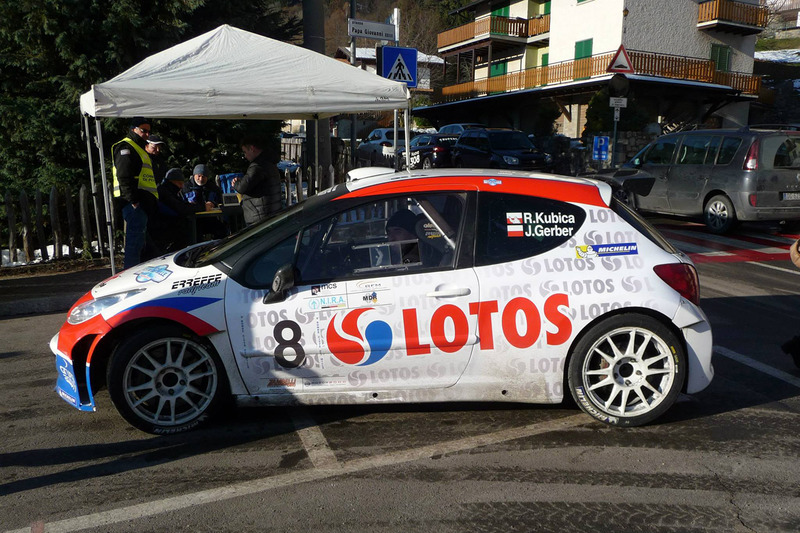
(46,291)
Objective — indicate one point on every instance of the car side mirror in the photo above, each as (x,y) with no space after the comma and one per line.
(281,284)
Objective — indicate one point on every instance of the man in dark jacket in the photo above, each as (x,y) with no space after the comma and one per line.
(135,194)
(171,228)
(260,186)
(203,191)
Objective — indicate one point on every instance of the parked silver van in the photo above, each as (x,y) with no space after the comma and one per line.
(723,175)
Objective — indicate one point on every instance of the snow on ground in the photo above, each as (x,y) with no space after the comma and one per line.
(779,56)
(5,256)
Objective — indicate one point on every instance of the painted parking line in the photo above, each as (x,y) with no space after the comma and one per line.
(758,365)
(314,441)
(246,488)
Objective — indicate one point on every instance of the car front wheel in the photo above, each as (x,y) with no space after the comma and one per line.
(627,370)
(719,215)
(163,381)
(426,163)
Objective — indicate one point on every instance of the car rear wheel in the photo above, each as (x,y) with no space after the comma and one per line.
(162,380)
(719,215)
(627,370)
(426,163)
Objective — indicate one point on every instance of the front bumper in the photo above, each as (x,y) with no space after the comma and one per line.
(67,384)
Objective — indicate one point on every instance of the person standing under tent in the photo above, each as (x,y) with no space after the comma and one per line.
(260,186)
(134,186)
(154,148)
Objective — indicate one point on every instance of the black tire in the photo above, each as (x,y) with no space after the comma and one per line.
(719,215)
(164,381)
(427,163)
(627,370)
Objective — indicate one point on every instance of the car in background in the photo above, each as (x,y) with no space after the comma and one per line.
(443,285)
(429,150)
(498,148)
(378,148)
(722,176)
(458,129)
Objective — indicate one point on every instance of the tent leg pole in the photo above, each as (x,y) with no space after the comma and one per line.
(317,181)
(407,116)
(88,134)
(106,200)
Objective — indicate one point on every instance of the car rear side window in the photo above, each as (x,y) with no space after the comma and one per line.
(780,151)
(730,145)
(512,227)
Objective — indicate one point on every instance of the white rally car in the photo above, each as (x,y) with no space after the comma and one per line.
(446,285)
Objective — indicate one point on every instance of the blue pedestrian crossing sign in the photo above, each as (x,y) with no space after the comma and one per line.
(600,149)
(400,64)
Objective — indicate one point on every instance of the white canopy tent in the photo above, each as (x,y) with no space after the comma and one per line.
(229,73)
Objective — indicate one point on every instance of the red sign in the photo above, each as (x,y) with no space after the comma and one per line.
(621,62)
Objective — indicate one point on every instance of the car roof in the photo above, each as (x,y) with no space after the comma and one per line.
(375,181)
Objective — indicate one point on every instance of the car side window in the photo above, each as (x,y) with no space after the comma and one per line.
(512,227)
(730,145)
(382,237)
(661,152)
(260,272)
(693,149)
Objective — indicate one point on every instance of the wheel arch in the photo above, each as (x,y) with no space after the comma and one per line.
(100,356)
(711,194)
(663,319)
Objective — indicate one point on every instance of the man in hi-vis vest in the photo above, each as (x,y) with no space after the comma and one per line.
(135,193)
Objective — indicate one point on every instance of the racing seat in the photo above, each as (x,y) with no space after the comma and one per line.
(433,248)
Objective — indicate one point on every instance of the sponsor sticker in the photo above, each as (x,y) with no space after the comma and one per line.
(540,224)
(589,251)
(156,273)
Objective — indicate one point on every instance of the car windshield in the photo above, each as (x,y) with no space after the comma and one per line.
(217,250)
(510,140)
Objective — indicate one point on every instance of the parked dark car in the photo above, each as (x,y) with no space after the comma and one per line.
(497,148)
(722,176)
(429,150)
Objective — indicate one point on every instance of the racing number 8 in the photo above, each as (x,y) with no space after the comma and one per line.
(292,343)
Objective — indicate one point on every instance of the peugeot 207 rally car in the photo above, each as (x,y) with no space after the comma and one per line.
(446,285)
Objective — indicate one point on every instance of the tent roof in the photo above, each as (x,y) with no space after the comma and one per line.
(230,73)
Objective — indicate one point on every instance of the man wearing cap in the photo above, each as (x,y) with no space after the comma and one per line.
(202,191)
(135,194)
(155,147)
(171,228)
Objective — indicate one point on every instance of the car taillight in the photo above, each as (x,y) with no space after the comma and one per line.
(438,149)
(682,278)
(752,199)
(751,162)
(386,144)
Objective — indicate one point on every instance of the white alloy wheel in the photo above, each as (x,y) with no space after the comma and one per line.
(627,370)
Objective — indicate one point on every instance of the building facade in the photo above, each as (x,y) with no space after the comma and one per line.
(690,61)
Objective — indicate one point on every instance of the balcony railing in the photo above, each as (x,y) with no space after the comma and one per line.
(484,27)
(736,12)
(645,63)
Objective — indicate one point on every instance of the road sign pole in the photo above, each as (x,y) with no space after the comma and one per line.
(614,145)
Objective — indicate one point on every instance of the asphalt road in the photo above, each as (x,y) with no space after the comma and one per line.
(720,461)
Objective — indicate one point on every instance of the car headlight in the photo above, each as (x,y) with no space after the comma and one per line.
(510,160)
(92,308)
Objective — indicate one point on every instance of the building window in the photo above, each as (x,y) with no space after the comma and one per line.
(583,50)
(721,56)
(546,8)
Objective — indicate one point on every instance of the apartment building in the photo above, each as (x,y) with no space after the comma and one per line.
(692,60)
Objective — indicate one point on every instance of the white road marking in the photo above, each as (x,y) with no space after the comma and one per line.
(177,503)
(314,441)
(796,272)
(761,367)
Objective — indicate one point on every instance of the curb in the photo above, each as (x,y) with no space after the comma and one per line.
(35,306)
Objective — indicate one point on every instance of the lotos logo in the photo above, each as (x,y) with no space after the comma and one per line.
(349,346)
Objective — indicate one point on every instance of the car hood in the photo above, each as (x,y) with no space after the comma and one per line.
(158,276)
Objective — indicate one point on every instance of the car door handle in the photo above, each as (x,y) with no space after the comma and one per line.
(449,292)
